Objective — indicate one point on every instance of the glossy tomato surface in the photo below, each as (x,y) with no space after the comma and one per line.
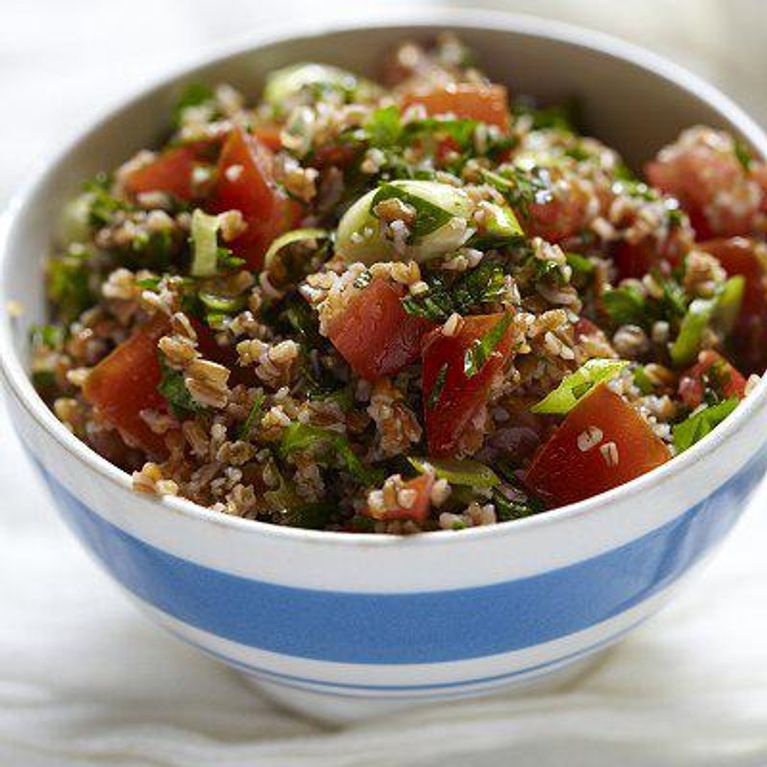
(245,182)
(375,335)
(602,443)
(452,398)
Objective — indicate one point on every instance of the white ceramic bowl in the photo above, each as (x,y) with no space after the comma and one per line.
(343,626)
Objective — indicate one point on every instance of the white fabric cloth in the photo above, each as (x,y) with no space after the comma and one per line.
(86,680)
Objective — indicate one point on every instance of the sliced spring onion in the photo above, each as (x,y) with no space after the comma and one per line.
(204,243)
(698,425)
(225,304)
(457,472)
(729,303)
(572,387)
(687,344)
(722,310)
(441,224)
(296,235)
(287,82)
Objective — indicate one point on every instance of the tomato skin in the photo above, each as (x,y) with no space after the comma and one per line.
(461,396)
(419,511)
(740,255)
(473,101)
(125,382)
(725,378)
(562,473)
(375,335)
(171,172)
(699,170)
(269,135)
(266,209)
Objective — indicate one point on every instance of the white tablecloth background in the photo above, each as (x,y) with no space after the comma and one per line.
(85,680)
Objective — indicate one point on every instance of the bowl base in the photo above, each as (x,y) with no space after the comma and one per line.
(336,709)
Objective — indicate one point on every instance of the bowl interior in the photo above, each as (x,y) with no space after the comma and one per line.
(631,102)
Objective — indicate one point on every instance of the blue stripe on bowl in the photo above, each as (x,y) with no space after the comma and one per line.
(420,627)
(407,691)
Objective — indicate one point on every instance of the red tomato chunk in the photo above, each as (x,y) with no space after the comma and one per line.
(717,372)
(419,510)
(125,382)
(484,103)
(171,172)
(744,256)
(245,183)
(602,443)
(451,398)
(375,335)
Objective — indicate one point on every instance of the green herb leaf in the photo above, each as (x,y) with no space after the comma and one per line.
(625,306)
(436,391)
(194,95)
(514,503)
(457,472)
(174,390)
(485,284)
(51,336)
(697,426)
(384,127)
(300,436)
(521,188)
(69,284)
(743,153)
(255,414)
(480,350)
(311,516)
(429,217)
(574,386)
(101,204)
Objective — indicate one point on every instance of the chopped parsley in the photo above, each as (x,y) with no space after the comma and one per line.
(69,284)
(439,384)
(301,436)
(173,388)
(254,415)
(485,284)
(194,95)
(698,425)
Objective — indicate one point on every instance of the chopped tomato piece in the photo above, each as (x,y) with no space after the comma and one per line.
(451,398)
(171,172)
(338,155)
(747,257)
(562,216)
(484,103)
(602,443)
(375,335)
(245,183)
(712,371)
(125,382)
(637,259)
(419,509)
(269,135)
(703,172)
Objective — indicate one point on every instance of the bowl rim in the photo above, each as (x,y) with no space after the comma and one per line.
(14,373)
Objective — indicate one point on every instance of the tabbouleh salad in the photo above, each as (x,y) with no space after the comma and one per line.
(419,304)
